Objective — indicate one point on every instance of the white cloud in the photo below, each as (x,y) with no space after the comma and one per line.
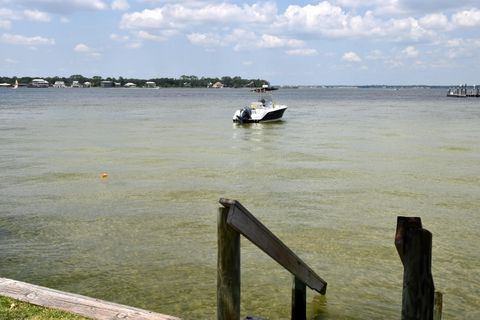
(35,15)
(120,5)
(408,29)
(181,16)
(467,18)
(117,37)
(24,40)
(205,40)
(383,7)
(11,61)
(6,15)
(327,20)
(243,40)
(84,49)
(302,52)
(351,57)
(462,48)
(62,6)
(148,36)
(434,20)
(271,41)
(64,20)
(313,18)
(410,52)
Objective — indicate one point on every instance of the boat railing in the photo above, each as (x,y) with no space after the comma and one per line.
(235,220)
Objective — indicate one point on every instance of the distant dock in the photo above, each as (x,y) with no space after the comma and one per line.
(464,91)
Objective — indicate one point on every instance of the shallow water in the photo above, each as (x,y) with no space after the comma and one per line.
(329,180)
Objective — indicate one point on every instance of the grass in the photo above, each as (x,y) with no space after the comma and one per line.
(11,309)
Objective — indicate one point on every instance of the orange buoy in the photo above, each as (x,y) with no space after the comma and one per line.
(104,175)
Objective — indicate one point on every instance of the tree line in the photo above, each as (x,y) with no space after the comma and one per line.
(183,81)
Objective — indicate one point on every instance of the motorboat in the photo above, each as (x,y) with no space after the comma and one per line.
(263,110)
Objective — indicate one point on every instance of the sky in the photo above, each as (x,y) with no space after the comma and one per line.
(334,42)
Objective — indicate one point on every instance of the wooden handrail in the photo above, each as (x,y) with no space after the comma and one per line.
(235,219)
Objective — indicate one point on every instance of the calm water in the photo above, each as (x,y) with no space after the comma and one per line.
(330,181)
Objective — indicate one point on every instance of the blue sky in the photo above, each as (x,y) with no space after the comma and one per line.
(286,42)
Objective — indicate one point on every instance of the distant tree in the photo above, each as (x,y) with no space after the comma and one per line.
(96,81)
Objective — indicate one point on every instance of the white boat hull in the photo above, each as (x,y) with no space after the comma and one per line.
(262,114)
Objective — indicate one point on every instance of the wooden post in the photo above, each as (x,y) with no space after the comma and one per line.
(414,245)
(437,308)
(228,269)
(299,300)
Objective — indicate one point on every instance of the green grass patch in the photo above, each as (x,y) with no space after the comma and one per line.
(11,309)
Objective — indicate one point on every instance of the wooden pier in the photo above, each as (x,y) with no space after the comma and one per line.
(75,303)
(464,92)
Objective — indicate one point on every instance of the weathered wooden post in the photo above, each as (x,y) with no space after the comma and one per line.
(437,308)
(228,269)
(299,300)
(414,246)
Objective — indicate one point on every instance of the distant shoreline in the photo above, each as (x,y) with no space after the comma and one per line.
(184,81)
(189,82)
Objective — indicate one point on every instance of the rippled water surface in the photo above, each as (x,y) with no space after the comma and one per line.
(329,180)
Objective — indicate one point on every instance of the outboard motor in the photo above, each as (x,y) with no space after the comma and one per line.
(245,114)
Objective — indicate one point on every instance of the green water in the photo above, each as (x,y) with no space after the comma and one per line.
(330,181)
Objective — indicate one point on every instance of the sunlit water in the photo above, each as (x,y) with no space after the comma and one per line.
(329,180)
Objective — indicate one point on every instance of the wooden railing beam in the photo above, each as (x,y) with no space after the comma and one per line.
(240,219)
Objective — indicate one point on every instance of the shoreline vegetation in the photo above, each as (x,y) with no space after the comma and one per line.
(96,81)
(183,82)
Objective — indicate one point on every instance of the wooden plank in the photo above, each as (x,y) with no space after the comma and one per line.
(74,303)
(228,269)
(244,222)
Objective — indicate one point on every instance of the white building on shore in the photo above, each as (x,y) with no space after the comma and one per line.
(150,84)
(59,84)
(40,83)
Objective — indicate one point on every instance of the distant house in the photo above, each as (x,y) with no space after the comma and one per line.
(106,84)
(76,84)
(40,83)
(87,84)
(59,84)
(130,85)
(5,84)
(117,84)
(217,84)
(150,84)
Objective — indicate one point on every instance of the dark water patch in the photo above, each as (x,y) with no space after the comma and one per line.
(455,149)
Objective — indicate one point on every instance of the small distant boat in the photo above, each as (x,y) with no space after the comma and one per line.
(263,110)
(16,85)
